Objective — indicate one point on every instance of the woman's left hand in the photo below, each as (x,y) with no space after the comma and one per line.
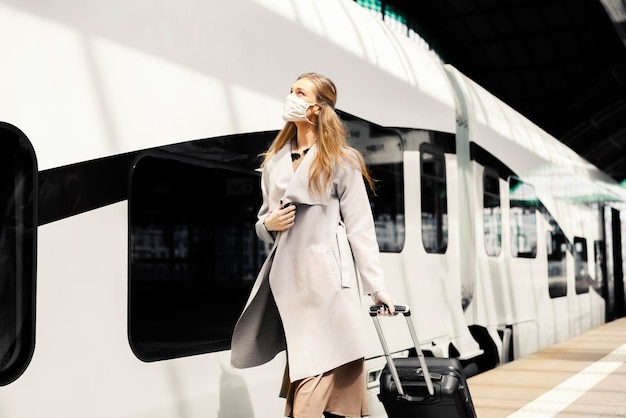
(382,297)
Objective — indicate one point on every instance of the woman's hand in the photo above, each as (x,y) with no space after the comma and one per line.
(281,218)
(382,297)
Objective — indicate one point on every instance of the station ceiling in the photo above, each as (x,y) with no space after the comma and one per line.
(560,63)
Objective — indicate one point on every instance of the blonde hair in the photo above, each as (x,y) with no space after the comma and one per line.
(332,144)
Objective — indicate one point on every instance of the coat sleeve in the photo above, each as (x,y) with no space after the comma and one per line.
(264,211)
(357,216)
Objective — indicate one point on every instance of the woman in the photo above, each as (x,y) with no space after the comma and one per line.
(306,297)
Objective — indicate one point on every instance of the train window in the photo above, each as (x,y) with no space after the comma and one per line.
(193,253)
(434,199)
(557,246)
(18,236)
(599,264)
(523,205)
(383,151)
(492,212)
(581,266)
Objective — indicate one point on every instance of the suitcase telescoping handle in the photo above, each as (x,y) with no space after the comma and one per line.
(404,310)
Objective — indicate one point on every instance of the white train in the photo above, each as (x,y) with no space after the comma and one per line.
(128,146)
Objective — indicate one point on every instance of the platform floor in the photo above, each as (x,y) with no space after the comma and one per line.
(582,377)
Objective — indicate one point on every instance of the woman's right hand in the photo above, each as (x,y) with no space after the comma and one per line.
(383,298)
(281,218)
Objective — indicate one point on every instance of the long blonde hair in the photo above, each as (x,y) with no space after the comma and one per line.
(332,144)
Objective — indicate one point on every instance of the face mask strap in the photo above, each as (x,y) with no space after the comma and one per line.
(307,118)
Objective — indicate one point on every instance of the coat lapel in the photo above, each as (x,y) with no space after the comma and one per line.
(298,189)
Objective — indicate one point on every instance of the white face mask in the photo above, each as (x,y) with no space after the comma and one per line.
(295,109)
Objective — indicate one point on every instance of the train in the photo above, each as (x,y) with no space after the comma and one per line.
(130,135)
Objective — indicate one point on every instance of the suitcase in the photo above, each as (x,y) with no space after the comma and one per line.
(420,386)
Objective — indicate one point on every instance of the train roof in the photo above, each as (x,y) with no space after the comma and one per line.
(562,64)
(89,80)
(530,152)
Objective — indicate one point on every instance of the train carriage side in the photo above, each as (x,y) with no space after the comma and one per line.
(123,320)
(537,229)
(136,236)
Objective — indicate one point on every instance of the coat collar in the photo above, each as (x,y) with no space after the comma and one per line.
(297,190)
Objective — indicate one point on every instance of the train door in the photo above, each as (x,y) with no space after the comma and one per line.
(613,283)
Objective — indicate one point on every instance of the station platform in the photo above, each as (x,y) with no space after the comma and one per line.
(582,377)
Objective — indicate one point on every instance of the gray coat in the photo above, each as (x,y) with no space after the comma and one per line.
(311,273)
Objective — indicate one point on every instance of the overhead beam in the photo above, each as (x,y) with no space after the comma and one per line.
(616,9)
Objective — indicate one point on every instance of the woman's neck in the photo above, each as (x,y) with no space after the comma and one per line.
(305,139)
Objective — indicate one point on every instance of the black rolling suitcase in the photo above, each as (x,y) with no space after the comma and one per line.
(420,386)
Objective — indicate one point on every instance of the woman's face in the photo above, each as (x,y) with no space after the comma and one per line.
(305,89)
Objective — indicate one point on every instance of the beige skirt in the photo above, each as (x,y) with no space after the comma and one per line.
(340,391)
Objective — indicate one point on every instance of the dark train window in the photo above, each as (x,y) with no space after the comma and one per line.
(598,262)
(18,236)
(581,266)
(383,153)
(434,199)
(523,207)
(193,254)
(557,246)
(492,212)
